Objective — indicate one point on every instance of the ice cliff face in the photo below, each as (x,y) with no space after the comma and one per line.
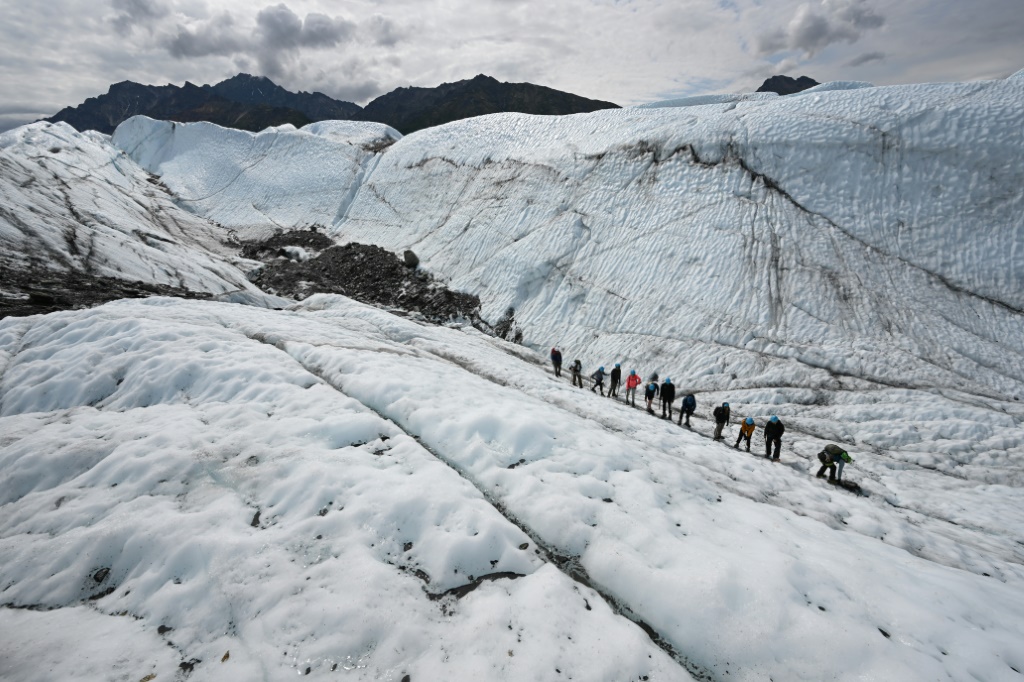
(280,178)
(816,219)
(72,202)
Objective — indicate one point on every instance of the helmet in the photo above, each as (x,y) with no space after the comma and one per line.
(616,364)
(668,380)
(749,420)
(774,418)
(600,369)
(725,404)
(632,372)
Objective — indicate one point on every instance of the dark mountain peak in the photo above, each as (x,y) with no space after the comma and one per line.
(784,85)
(412,108)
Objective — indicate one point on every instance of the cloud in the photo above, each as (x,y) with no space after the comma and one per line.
(218,36)
(136,13)
(274,41)
(384,31)
(866,58)
(815,27)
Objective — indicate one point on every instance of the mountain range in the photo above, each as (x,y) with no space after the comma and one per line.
(254,103)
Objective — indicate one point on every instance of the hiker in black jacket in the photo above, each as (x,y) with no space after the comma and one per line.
(576,367)
(668,394)
(773,431)
(615,378)
(721,415)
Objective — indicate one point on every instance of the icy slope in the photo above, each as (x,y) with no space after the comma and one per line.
(280,177)
(302,515)
(73,202)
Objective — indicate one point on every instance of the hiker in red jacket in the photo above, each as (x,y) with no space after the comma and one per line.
(632,381)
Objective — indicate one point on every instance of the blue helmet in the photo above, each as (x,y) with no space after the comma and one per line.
(667,380)
(632,372)
(725,404)
(774,418)
(749,420)
(616,364)
(600,369)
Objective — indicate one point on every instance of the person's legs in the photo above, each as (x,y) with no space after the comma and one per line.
(688,413)
(778,447)
(718,430)
(748,442)
(839,470)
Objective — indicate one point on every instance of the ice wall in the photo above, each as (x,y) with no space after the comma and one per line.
(279,178)
(73,202)
(870,233)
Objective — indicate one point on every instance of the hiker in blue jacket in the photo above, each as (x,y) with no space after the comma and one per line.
(598,378)
(687,408)
(650,393)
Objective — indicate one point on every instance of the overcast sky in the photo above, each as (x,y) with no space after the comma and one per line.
(55,53)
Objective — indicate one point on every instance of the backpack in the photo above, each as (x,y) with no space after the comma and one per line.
(689,402)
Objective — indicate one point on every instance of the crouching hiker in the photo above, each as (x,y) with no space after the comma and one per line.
(632,381)
(616,379)
(687,408)
(832,458)
(598,378)
(721,415)
(746,431)
(576,368)
(556,361)
(668,394)
(773,431)
(650,393)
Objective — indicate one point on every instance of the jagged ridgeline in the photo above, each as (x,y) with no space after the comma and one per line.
(254,103)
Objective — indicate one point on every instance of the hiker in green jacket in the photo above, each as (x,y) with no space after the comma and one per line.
(833,458)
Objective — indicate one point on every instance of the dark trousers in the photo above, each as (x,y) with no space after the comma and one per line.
(597,385)
(558,369)
(666,404)
(683,412)
(613,389)
(718,430)
(577,380)
(768,447)
(742,437)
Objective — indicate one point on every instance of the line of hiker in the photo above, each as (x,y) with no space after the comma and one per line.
(832,458)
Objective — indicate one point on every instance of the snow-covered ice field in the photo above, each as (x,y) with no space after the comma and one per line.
(215,491)
(309,489)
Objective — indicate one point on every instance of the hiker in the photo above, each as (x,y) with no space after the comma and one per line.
(576,368)
(773,431)
(653,377)
(650,393)
(632,381)
(598,378)
(556,360)
(668,394)
(721,415)
(746,431)
(831,457)
(687,408)
(613,387)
